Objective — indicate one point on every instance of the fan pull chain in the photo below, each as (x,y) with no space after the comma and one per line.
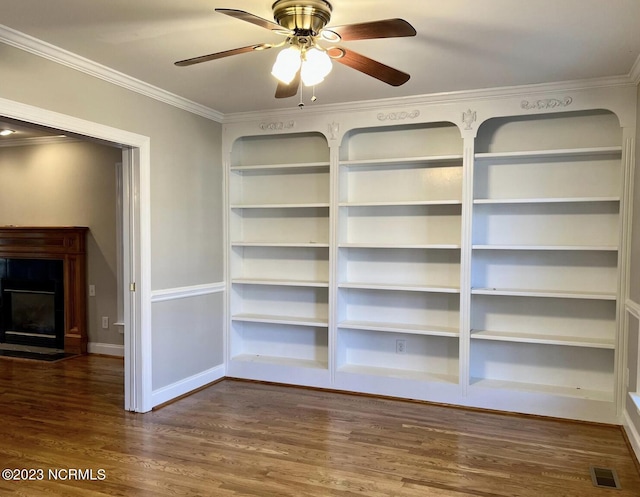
(313,96)
(301,104)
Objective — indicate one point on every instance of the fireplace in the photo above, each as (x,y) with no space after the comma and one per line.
(43,287)
(33,309)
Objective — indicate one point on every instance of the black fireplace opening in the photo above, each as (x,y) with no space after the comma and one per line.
(32,304)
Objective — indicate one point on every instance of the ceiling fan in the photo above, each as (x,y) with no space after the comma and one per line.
(304,58)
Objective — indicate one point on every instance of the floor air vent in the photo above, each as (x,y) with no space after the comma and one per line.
(604,477)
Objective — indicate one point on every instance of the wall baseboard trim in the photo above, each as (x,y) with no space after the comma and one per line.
(182,387)
(105,349)
(632,434)
(184,292)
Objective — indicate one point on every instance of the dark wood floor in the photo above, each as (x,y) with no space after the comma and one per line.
(236,438)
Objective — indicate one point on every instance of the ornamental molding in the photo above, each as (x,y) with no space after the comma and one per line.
(277,125)
(334,129)
(468,118)
(398,116)
(547,103)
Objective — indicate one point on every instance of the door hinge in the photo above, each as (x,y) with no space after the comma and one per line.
(132,287)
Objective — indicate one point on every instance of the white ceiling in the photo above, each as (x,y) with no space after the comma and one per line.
(461,44)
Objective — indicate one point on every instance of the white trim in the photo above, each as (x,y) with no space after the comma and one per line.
(632,434)
(634,74)
(182,387)
(38,140)
(138,368)
(105,349)
(433,98)
(40,48)
(51,52)
(187,291)
(633,308)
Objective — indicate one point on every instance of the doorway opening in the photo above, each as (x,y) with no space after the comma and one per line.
(132,236)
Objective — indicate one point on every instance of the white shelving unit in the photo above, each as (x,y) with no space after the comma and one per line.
(279,203)
(399,239)
(479,263)
(545,272)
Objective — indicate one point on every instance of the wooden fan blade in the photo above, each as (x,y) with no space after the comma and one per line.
(248,17)
(369,66)
(388,28)
(220,55)
(290,90)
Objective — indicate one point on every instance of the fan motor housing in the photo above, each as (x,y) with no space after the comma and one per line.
(306,17)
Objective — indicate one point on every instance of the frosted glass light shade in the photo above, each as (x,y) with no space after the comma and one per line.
(287,65)
(315,67)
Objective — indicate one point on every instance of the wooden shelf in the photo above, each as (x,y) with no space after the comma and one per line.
(280,361)
(410,329)
(279,282)
(544,200)
(288,320)
(581,393)
(400,203)
(280,244)
(511,292)
(568,152)
(281,206)
(425,161)
(399,287)
(586,248)
(407,374)
(430,246)
(276,167)
(570,341)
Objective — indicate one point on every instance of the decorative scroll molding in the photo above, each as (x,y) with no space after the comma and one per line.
(334,129)
(547,103)
(398,116)
(468,118)
(277,125)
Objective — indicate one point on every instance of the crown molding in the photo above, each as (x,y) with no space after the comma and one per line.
(43,49)
(634,74)
(38,47)
(434,98)
(37,140)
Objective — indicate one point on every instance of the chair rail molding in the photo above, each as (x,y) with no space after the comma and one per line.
(185,292)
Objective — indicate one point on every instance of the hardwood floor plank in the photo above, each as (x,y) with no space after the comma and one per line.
(250,439)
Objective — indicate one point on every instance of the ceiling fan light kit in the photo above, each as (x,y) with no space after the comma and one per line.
(303,58)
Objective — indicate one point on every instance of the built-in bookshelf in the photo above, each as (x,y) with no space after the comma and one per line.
(546,239)
(279,201)
(399,239)
(431,260)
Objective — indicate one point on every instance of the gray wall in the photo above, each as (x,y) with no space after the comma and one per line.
(70,184)
(186,191)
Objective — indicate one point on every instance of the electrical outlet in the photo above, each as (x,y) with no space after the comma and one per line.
(401,346)
(105,322)
(92,290)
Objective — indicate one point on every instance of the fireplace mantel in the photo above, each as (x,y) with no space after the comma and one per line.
(66,243)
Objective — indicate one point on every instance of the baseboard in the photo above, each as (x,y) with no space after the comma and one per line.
(632,434)
(182,387)
(105,349)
